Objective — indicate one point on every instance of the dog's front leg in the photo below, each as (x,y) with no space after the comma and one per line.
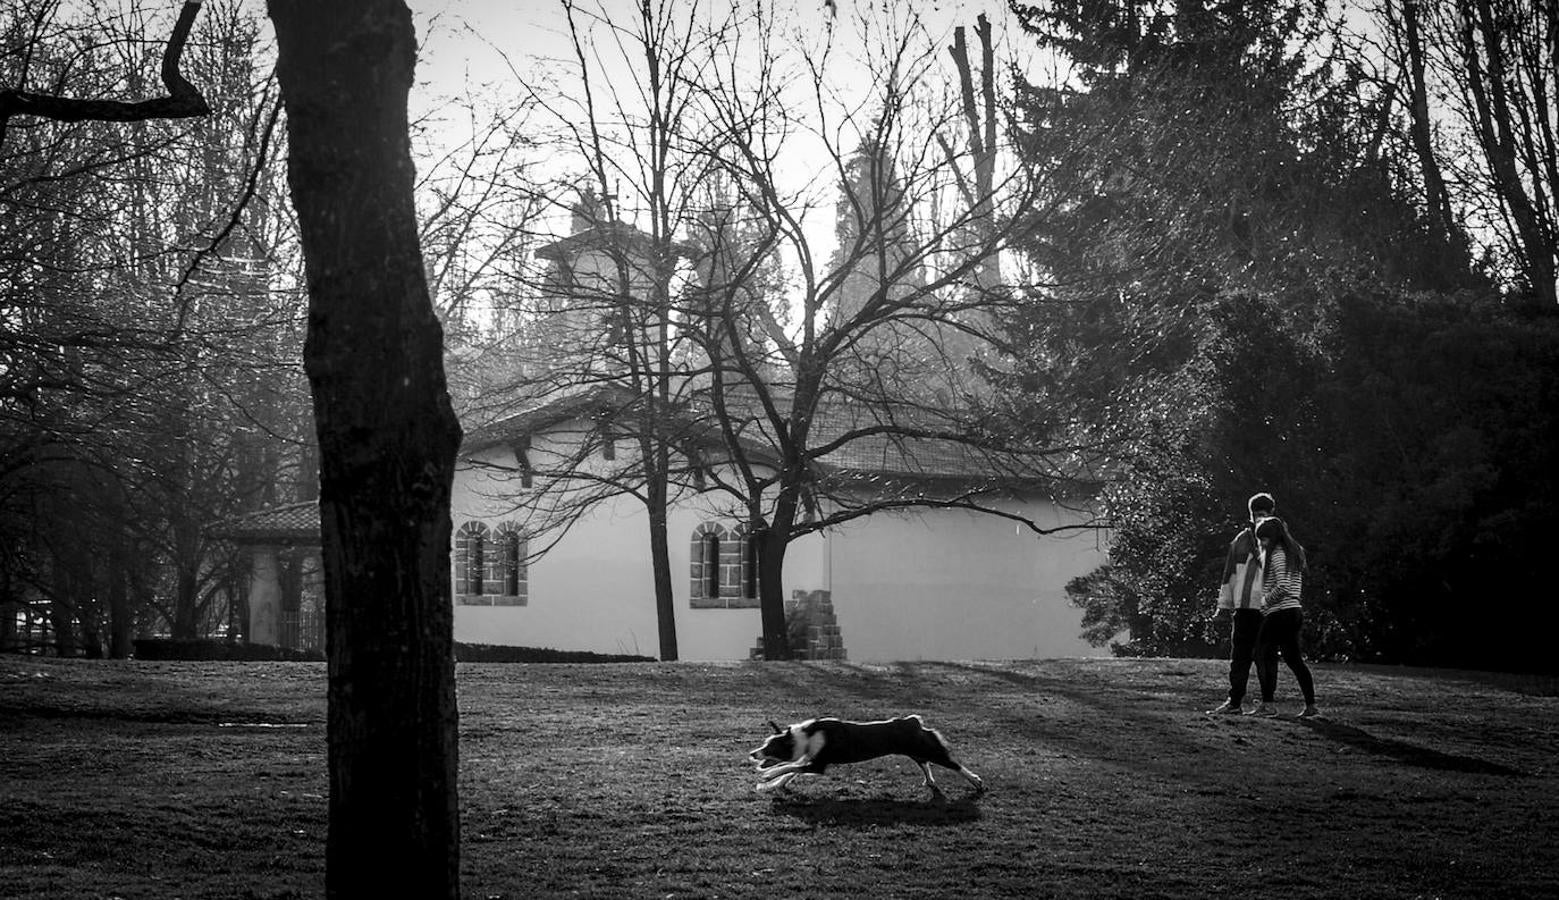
(979,785)
(778,783)
(790,768)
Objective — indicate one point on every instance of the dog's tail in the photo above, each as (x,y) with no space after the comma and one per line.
(921,723)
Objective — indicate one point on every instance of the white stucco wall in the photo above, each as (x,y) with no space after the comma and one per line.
(594,589)
(942,584)
(952,584)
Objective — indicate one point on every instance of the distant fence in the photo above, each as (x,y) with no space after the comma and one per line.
(302,629)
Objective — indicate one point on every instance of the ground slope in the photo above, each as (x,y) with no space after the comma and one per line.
(159,780)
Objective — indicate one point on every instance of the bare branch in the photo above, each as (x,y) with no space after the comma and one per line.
(182,101)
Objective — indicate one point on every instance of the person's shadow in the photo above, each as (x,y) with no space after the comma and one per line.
(861,812)
(1410,754)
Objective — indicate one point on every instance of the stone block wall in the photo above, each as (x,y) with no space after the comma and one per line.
(813,627)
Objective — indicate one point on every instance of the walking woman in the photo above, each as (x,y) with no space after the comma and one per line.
(1283,577)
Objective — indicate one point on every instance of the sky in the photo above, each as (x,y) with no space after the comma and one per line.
(499,44)
(472,36)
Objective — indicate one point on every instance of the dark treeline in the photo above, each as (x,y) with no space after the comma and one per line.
(149,324)
(1257,283)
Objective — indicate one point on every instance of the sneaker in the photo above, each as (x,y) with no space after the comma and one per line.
(1264,710)
(1227,708)
(1311,712)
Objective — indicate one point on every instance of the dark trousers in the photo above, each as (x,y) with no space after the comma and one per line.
(1242,652)
(1280,632)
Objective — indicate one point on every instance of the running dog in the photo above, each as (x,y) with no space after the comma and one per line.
(810,747)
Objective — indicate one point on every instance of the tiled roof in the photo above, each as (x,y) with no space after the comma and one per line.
(589,402)
(928,452)
(902,442)
(917,444)
(607,236)
(295,523)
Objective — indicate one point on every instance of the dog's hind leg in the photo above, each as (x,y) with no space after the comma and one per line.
(929,781)
(946,761)
(944,758)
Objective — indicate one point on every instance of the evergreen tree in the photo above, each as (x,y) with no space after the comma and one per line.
(1202,268)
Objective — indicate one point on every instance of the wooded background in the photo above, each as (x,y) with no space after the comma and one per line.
(1215,249)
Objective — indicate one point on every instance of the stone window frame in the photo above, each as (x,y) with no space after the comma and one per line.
(490,565)
(470,560)
(509,571)
(733,576)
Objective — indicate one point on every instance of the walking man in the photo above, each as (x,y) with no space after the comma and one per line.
(1239,598)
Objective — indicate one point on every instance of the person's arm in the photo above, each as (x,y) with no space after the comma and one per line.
(1236,555)
(1226,585)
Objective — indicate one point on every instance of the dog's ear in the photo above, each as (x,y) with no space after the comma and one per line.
(777,729)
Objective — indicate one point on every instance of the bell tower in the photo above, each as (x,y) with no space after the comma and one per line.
(598,278)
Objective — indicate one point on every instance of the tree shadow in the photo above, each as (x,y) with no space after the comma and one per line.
(866,812)
(1410,754)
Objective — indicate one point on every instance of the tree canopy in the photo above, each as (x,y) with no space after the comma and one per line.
(1241,289)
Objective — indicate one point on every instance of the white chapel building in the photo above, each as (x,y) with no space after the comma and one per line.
(912,585)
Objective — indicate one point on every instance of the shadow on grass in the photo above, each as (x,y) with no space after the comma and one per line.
(1410,754)
(864,812)
(1533,684)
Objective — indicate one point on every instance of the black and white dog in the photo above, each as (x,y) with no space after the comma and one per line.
(810,747)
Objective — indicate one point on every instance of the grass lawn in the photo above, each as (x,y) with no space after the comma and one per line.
(185,780)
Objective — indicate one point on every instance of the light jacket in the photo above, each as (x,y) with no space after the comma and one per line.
(1241,587)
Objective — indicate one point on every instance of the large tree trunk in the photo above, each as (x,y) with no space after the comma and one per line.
(121,614)
(186,602)
(388,438)
(61,610)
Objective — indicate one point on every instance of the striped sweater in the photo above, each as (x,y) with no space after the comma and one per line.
(1281,583)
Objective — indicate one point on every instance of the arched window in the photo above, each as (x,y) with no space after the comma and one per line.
(508,572)
(724,567)
(471,560)
(711,563)
(711,543)
(751,548)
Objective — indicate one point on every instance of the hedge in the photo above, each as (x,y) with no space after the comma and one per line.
(162,649)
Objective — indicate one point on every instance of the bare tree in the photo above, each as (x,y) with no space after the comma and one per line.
(744,355)
(182,101)
(1479,84)
(139,263)
(625,116)
(873,408)
(85,373)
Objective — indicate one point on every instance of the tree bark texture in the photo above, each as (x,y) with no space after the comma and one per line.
(774,541)
(387,441)
(1504,131)
(1436,198)
(660,562)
